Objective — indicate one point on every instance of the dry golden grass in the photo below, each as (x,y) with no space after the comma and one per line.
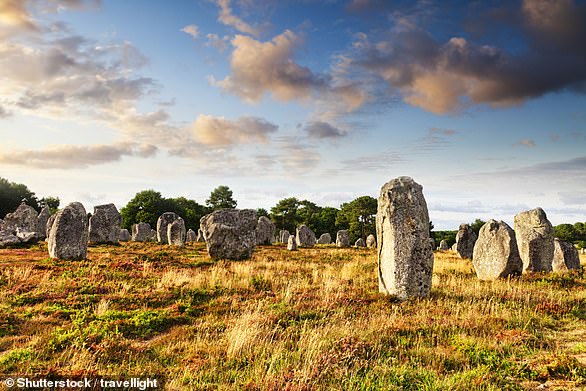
(306,320)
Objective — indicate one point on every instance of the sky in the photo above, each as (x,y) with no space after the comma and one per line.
(481,102)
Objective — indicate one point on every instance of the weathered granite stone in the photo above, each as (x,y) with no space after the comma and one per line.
(284,235)
(23,219)
(164,220)
(153,237)
(200,237)
(465,239)
(432,243)
(405,260)
(291,243)
(495,252)
(324,239)
(105,224)
(176,233)
(50,225)
(124,235)
(370,241)
(360,243)
(343,238)
(8,239)
(191,236)
(535,240)
(141,232)
(305,236)
(42,220)
(265,231)
(565,256)
(444,245)
(69,234)
(230,233)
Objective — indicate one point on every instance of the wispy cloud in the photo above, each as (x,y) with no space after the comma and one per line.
(323,130)
(229,18)
(191,30)
(526,142)
(219,131)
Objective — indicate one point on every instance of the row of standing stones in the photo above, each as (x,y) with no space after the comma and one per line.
(405,250)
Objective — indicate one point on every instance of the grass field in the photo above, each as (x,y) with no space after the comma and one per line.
(306,320)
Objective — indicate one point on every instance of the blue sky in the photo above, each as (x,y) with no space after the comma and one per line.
(481,102)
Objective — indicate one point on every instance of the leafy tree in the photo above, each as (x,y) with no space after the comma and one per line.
(189,210)
(12,194)
(476,225)
(146,206)
(327,221)
(221,197)
(565,232)
(262,212)
(309,214)
(284,214)
(51,202)
(359,217)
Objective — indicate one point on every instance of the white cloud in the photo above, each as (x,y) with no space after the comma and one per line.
(191,30)
(219,131)
(228,18)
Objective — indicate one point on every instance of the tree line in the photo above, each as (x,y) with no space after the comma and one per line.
(357,216)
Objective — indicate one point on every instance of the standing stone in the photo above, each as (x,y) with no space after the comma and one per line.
(291,243)
(153,237)
(405,260)
(565,256)
(324,239)
(495,253)
(105,224)
(305,236)
(432,243)
(230,233)
(265,231)
(444,245)
(69,234)
(343,238)
(191,236)
(23,221)
(535,240)
(465,239)
(454,246)
(176,233)
(124,235)
(284,236)
(200,237)
(49,225)
(164,220)
(370,241)
(141,232)
(360,243)
(42,220)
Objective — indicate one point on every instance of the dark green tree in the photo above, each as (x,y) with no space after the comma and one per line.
(359,217)
(309,214)
(51,202)
(146,206)
(262,212)
(220,198)
(565,232)
(12,194)
(284,214)
(189,210)
(327,221)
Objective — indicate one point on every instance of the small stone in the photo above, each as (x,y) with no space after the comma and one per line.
(124,235)
(360,243)
(371,241)
(200,237)
(42,220)
(104,225)
(265,231)
(565,256)
(164,220)
(343,238)
(291,243)
(534,235)
(444,245)
(191,236)
(176,233)
(8,239)
(284,236)
(141,232)
(324,239)
(465,239)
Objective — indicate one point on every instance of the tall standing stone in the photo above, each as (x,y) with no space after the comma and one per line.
(105,224)
(42,220)
(495,253)
(164,220)
(465,239)
(343,238)
(535,240)
(565,256)
(176,233)
(324,239)
(305,236)
(370,241)
(124,235)
(444,245)
(191,236)
(69,234)
(141,232)
(405,260)
(265,231)
(291,243)
(230,233)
